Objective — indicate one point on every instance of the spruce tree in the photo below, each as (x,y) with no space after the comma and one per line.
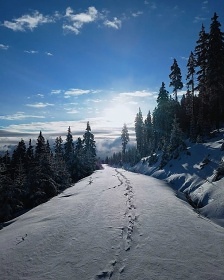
(40,146)
(69,148)
(89,148)
(148,134)
(175,77)
(163,95)
(139,131)
(201,56)
(163,116)
(58,147)
(176,136)
(18,157)
(215,71)
(191,64)
(124,139)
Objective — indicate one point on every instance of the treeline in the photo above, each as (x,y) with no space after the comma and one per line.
(195,115)
(33,174)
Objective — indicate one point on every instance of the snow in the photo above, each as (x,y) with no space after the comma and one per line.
(113,225)
(192,174)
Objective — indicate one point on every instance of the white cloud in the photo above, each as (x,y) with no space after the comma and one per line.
(48,53)
(72,111)
(28,22)
(4,47)
(76,92)
(152,4)
(31,52)
(19,116)
(137,93)
(137,14)
(199,19)
(76,21)
(56,91)
(71,28)
(94,100)
(39,105)
(115,23)
(184,58)
(40,95)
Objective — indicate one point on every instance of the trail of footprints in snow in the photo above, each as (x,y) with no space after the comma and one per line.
(126,233)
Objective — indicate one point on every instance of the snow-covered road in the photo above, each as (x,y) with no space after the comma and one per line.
(113,225)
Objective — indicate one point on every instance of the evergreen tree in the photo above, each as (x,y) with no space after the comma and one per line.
(40,146)
(58,147)
(215,71)
(79,160)
(191,64)
(163,95)
(190,114)
(201,55)
(89,148)
(79,146)
(190,93)
(124,139)
(176,136)
(148,135)
(139,131)
(69,148)
(18,157)
(60,171)
(30,153)
(175,77)
(162,116)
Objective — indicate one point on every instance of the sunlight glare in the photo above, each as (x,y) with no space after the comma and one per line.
(119,114)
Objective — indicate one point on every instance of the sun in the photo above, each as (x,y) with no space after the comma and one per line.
(118,115)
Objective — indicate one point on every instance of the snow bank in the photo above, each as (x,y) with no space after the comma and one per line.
(192,174)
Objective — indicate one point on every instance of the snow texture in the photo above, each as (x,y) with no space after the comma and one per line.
(113,225)
(192,174)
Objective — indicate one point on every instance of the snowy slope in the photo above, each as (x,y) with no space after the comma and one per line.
(113,225)
(192,173)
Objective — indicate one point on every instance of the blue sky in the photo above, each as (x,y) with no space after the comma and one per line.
(66,62)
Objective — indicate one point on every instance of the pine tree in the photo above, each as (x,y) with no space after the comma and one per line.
(79,146)
(69,148)
(40,146)
(175,77)
(124,139)
(139,132)
(176,136)
(191,64)
(79,162)
(215,71)
(190,110)
(89,148)
(201,55)
(30,153)
(163,115)
(148,134)
(163,95)
(58,147)
(60,171)
(18,157)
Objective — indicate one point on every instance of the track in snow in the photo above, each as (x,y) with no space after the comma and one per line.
(112,225)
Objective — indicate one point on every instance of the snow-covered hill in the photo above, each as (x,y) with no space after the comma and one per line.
(193,174)
(113,225)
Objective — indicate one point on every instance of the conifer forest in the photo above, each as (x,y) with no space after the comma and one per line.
(34,173)
(193,116)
